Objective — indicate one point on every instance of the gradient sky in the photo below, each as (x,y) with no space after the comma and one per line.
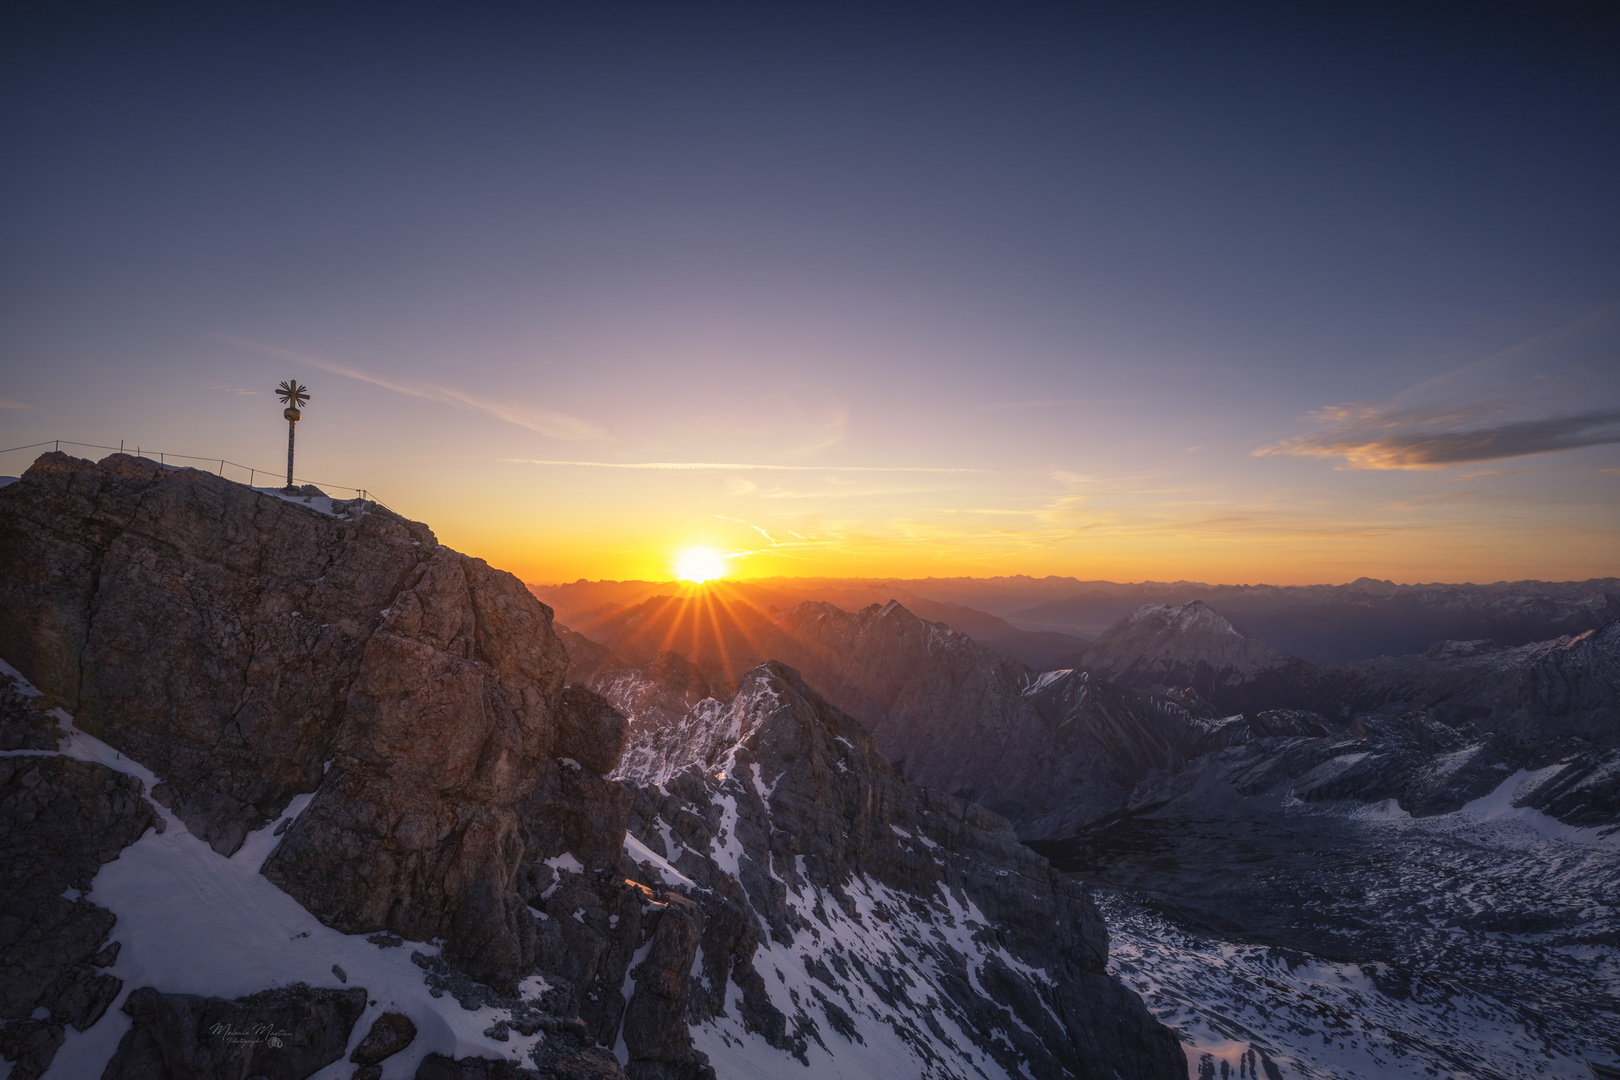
(1284,294)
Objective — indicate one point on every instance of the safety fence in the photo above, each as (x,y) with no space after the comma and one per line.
(221,464)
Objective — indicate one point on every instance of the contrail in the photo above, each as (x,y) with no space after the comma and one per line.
(555,424)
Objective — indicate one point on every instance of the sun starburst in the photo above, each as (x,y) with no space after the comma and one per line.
(700,564)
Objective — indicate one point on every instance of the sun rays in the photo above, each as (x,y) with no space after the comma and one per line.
(701,564)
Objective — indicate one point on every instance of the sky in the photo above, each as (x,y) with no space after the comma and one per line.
(1248,293)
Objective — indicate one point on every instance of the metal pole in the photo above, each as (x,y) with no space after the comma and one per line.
(291,424)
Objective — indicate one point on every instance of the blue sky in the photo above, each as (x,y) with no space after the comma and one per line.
(1126,291)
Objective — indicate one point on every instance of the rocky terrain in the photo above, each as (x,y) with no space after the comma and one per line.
(1054,750)
(292,790)
(1350,876)
(1049,752)
(1565,688)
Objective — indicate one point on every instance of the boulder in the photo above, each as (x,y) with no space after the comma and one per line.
(287,1033)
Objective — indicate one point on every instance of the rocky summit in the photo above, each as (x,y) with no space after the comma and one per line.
(291,789)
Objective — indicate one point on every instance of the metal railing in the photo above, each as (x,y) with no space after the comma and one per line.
(222,463)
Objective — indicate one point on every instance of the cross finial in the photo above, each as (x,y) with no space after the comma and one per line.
(293,393)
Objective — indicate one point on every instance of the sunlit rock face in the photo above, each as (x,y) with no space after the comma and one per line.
(254,647)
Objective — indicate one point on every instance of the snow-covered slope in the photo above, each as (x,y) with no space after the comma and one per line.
(193,921)
(901,932)
(1275,897)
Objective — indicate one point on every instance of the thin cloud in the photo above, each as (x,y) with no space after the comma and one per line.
(733,466)
(555,425)
(832,432)
(7,403)
(774,542)
(1367,439)
(239,391)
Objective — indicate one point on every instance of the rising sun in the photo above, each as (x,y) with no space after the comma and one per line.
(699,564)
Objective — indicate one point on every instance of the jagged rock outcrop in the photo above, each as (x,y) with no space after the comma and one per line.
(1568,687)
(252,648)
(1047,751)
(60,820)
(1530,693)
(282,1034)
(888,919)
(348,652)
(453,710)
(388,1035)
(263,606)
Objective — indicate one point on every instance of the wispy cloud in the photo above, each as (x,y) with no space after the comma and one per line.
(1556,391)
(828,434)
(239,391)
(555,425)
(733,466)
(7,403)
(774,542)
(1367,437)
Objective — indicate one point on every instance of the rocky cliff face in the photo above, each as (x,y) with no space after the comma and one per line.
(900,932)
(380,727)
(259,648)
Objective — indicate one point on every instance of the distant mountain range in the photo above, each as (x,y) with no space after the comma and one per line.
(1046,622)
(1054,751)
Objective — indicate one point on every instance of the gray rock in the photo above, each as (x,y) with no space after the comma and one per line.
(266,605)
(390,1033)
(294,640)
(655,1018)
(820,817)
(445,727)
(589,730)
(60,820)
(282,1034)
(595,1064)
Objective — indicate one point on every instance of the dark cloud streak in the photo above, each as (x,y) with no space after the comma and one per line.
(1419,449)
